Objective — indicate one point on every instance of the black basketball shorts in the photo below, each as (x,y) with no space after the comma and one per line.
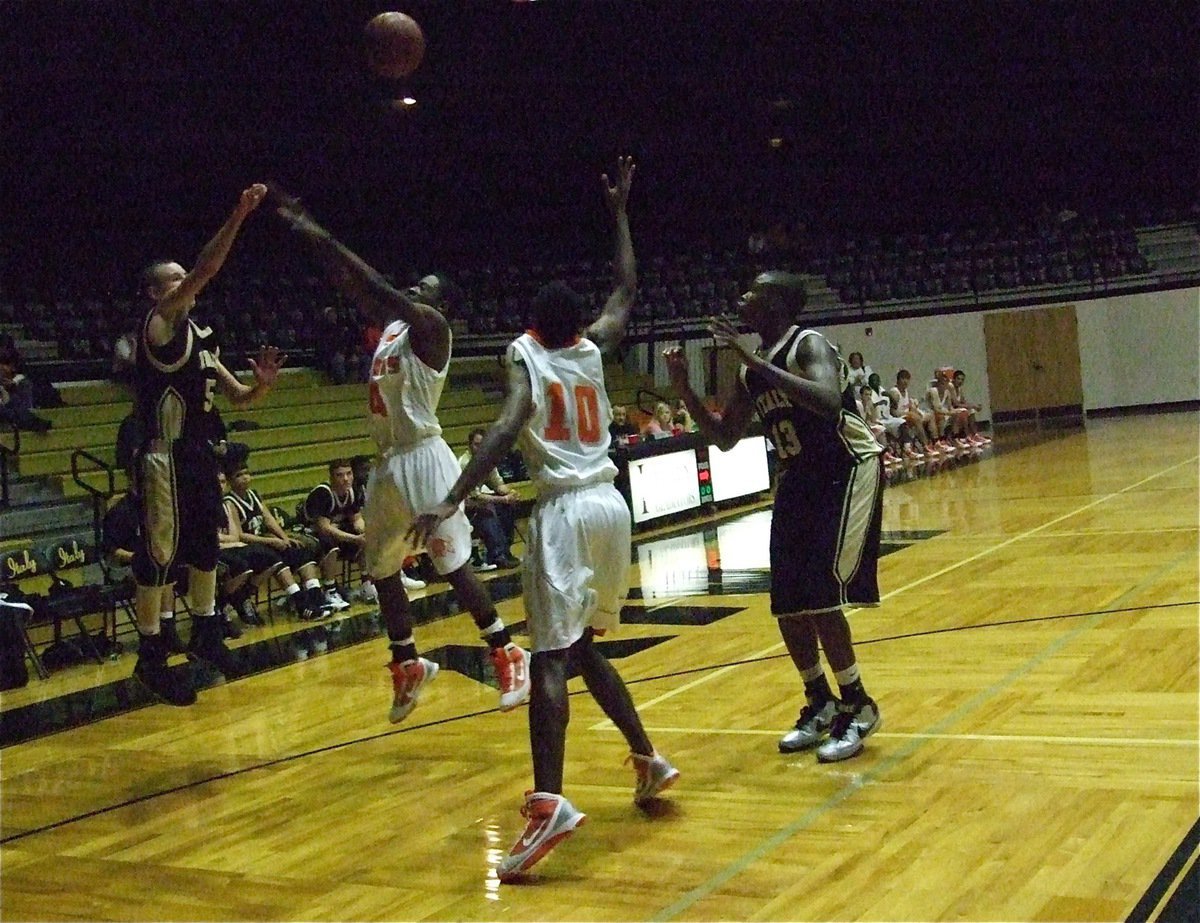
(825,539)
(181,510)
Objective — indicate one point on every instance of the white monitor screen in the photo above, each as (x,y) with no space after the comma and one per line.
(663,484)
(745,542)
(740,471)
(675,566)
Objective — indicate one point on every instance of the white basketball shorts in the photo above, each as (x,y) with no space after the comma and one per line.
(406,482)
(576,570)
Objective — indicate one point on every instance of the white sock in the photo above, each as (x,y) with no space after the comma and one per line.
(812,673)
(847,676)
(293,589)
(496,626)
(167,616)
(311,583)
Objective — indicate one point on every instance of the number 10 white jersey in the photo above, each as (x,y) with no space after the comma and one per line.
(565,442)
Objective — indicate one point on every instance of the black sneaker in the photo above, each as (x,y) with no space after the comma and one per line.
(171,686)
(248,613)
(170,635)
(209,645)
(229,627)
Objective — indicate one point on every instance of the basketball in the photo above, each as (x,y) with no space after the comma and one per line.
(395,45)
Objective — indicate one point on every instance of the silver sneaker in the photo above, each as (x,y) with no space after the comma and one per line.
(810,728)
(848,731)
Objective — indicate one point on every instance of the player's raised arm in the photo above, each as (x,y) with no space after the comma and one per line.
(816,387)
(366,286)
(608,329)
(173,309)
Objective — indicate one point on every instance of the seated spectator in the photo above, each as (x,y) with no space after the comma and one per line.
(241,569)
(662,424)
(16,395)
(935,403)
(859,372)
(332,512)
(620,427)
(959,400)
(250,522)
(908,408)
(681,418)
(492,512)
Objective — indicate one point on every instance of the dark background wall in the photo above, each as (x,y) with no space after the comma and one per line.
(130,127)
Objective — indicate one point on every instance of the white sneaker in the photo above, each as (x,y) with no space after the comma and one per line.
(366,593)
(654,776)
(810,727)
(551,820)
(408,679)
(511,664)
(333,599)
(849,730)
(410,583)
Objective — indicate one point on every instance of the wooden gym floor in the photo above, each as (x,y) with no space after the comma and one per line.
(1035,660)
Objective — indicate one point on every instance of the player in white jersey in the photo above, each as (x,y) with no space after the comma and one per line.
(415,466)
(577,563)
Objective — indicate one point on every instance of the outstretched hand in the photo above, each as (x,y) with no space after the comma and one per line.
(727,335)
(423,527)
(252,197)
(618,196)
(266,367)
(677,365)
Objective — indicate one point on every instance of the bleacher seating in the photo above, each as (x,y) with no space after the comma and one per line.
(299,427)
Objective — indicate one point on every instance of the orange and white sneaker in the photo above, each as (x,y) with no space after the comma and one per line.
(551,820)
(512,671)
(408,679)
(654,776)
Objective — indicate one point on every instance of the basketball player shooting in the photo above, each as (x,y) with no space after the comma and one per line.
(177,372)
(416,467)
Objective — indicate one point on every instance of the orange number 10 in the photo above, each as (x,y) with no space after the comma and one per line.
(587,414)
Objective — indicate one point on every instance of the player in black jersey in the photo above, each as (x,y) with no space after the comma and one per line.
(177,372)
(828,501)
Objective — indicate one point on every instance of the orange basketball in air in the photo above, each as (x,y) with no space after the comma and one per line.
(395,45)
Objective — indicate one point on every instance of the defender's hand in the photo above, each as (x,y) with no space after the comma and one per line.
(427,523)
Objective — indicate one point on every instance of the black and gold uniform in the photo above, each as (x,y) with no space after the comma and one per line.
(829,498)
(176,465)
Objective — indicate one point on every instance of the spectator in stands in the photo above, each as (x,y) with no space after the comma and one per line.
(958,416)
(869,411)
(957,381)
(908,408)
(16,394)
(332,511)
(620,429)
(251,522)
(680,418)
(935,405)
(859,371)
(662,424)
(491,507)
(241,569)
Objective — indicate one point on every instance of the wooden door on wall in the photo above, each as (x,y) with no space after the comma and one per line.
(1033,363)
